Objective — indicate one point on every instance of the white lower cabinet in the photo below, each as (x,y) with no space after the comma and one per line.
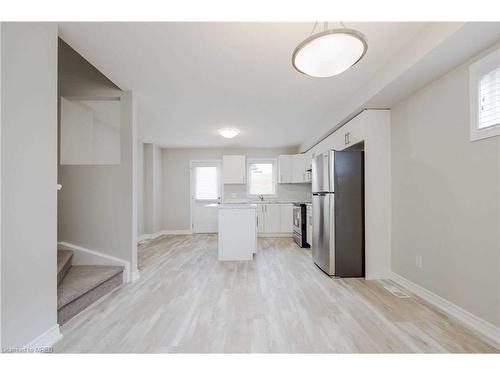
(286,218)
(260,218)
(274,218)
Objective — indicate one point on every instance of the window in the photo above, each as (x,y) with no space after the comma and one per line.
(206,183)
(485,96)
(261,177)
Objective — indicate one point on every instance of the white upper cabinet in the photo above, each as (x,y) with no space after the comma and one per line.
(234,169)
(293,168)
(300,165)
(285,169)
(346,136)
(351,133)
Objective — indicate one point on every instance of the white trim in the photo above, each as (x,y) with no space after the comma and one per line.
(274,162)
(84,256)
(134,276)
(46,339)
(275,235)
(191,189)
(153,236)
(476,70)
(480,325)
(179,231)
(149,236)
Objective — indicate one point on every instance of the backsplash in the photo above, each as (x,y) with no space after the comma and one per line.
(286,192)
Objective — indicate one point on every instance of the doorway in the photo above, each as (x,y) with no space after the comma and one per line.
(206,190)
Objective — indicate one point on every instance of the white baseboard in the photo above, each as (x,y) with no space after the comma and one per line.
(149,236)
(275,235)
(134,276)
(152,236)
(46,339)
(180,231)
(83,257)
(480,325)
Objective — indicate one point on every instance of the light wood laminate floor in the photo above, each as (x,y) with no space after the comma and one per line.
(187,301)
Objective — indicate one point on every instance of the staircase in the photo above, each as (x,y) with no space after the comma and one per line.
(80,286)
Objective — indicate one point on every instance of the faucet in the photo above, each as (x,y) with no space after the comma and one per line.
(261,197)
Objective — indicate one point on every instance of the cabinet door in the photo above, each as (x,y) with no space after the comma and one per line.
(285,169)
(286,218)
(352,133)
(299,166)
(272,220)
(234,169)
(260,218)
(296,169)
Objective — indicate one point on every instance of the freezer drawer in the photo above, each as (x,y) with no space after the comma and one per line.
(323,172)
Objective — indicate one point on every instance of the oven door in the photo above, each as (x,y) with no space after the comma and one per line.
(297,219)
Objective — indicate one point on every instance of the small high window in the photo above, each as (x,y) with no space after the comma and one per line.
(485,96)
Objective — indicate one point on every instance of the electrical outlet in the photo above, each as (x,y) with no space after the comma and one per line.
(418,261)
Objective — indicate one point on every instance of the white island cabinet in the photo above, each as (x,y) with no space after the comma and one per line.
(237,231)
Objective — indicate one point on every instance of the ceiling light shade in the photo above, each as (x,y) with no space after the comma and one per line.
(229,132)
(330,52)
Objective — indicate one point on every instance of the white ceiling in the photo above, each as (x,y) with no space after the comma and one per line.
(193,78)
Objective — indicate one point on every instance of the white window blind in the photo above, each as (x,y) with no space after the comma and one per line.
(206,183)
(262,178)
(489,99)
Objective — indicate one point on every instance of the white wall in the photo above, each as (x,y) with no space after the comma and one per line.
(153,192)
(98,203)
(176,181)
(446,198)
(29,178)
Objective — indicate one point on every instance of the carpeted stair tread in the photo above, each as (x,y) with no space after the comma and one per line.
(64,258)
(82,279)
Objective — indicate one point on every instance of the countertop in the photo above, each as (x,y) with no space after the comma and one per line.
(266,202)
(232,205)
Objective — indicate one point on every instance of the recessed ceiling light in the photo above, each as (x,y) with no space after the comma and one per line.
(330,52)
(228,132)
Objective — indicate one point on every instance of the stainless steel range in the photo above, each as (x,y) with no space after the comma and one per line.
(300,224)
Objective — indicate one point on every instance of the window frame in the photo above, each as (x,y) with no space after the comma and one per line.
(477,69)
(207,163)
(274,163)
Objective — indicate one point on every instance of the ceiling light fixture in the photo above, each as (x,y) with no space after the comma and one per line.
(228,132)
(329,52)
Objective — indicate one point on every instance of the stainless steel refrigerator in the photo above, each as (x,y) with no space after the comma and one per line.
(338,246)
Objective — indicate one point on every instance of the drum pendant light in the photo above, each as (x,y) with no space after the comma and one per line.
(330,52)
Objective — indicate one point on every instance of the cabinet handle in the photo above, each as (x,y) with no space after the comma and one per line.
(347,139)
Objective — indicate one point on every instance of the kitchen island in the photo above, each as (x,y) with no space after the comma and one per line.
(237,232)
